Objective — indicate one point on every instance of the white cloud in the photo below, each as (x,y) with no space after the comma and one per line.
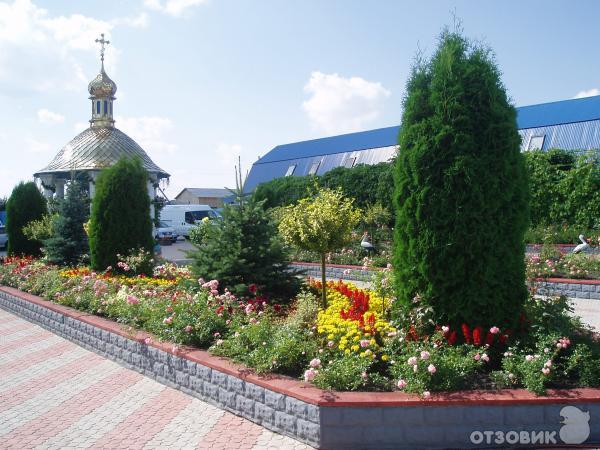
(229,153)
(140,21)
(588,93)
(339,105)
(49,117)
(36,146)
(152,133)
(40,52)
(174,8)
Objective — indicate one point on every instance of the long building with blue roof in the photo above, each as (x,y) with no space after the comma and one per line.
(569,124)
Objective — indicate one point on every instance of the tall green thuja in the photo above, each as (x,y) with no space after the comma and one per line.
(461,191)
(120,220)
(25,204)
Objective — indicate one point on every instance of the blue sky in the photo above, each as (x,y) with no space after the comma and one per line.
(203,81)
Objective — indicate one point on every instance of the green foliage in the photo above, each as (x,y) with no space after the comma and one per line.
(353,181)
(269,343)
(3,201)
(284,191)
(366,184)
(461,190)
(40,229)
(346,373)
(243,249)
(320,224)
(68,242)
(565,189)
(26,203)
(120,221)
(439,367)
(584,365)
(558,234)
(138,262)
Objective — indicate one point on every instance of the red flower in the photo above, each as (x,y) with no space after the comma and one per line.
(466,333)
(452,338)
(477,335)
(277,308)
(253,288)
(489,338)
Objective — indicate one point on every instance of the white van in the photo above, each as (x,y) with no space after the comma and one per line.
(183,217)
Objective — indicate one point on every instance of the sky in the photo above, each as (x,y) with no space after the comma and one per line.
(203,82)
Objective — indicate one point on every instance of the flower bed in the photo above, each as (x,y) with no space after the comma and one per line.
(351,345)
(320,418)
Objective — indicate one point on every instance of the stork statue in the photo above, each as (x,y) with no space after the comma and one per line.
(365,243)
(583,246)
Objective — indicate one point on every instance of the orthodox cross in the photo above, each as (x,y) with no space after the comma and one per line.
(102,42)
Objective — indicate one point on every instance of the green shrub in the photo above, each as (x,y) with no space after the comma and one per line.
(40,229)
(243,249)
(347,373)
(353,182)
(565,191)
(283,191)
(26,204)
(461,191)
(69,243)
(120,221)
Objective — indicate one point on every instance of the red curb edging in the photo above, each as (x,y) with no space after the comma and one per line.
(568,280)
(312,395)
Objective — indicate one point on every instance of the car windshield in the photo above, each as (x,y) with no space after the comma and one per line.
(163,225)
(192,217)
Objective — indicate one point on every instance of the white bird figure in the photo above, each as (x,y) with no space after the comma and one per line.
(576,427)
(581,247)
(366,243)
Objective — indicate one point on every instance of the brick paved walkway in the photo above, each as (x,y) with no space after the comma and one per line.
(56,395)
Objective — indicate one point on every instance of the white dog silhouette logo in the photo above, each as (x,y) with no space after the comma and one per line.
(576,428)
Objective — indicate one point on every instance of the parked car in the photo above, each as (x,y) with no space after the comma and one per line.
(165,232)
(184,217)
(3,237)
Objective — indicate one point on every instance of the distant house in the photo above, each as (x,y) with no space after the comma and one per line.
(202,196)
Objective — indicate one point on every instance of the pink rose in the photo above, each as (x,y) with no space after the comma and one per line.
(364,343)
(188,329)
(330,344)
(412,360)
(485,357)
(314,363)
(425,355)
(431,369)
(545,371)
(445,329)
(401,384)
(426,394)
(147,341)
(529,358)
(494,330)
(310,375)
(477,357)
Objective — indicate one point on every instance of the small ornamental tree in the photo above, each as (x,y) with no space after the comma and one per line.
(244,249)
(120,221)
(461,191)
(25,205)
(321,224)
(69,242)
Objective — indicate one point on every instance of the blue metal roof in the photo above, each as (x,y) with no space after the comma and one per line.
(569,124)
(557,113)
(533,116)
(381,137)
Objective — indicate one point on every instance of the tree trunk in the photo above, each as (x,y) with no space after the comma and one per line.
(323,282)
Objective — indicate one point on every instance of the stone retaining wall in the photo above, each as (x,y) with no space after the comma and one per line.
(569,288)
(328,420)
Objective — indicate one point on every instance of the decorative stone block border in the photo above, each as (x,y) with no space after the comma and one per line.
(587,289)
(568,287)
(328,420)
